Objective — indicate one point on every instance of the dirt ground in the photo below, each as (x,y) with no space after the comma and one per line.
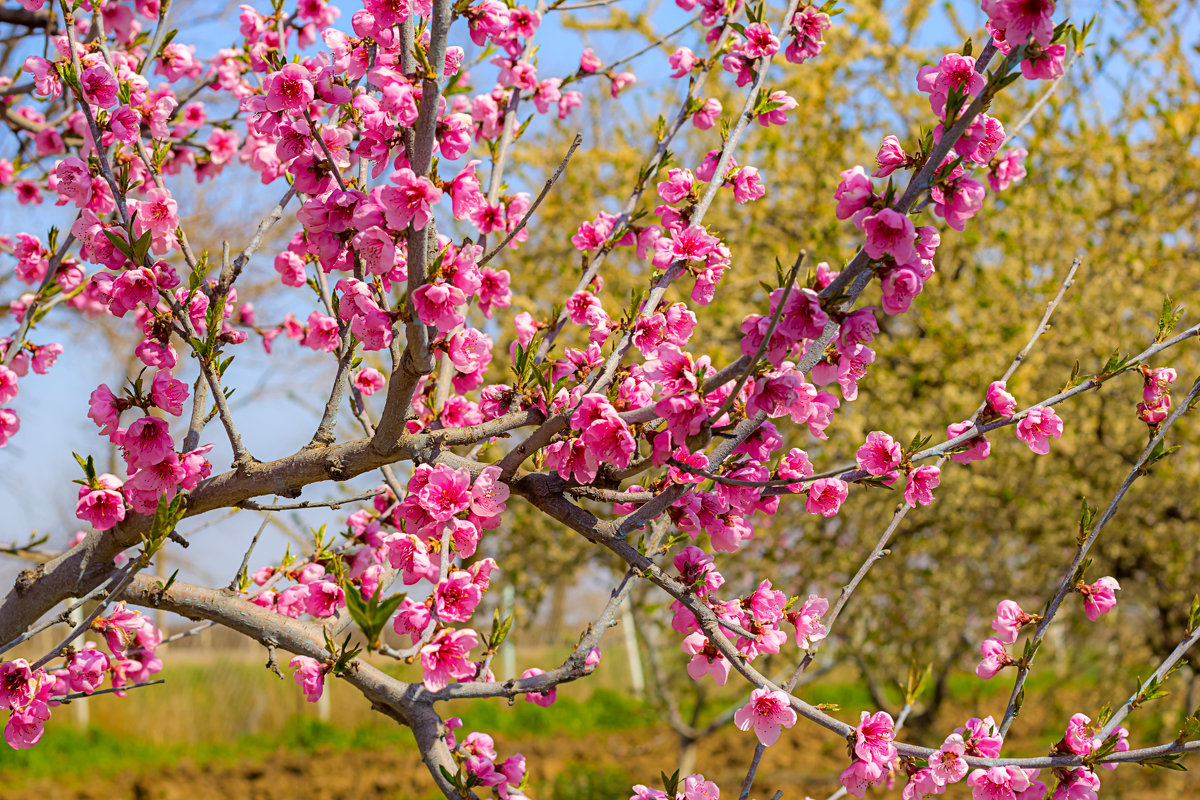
(598,767)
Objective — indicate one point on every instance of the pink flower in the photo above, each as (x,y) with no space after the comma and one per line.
(874,736)
(860,775)
(99,86)
(880,454)
(121,628)
(289,90)
(324,598)
(168,393)
(768,713)
(854,192)
(921,483)
(489,495)
(999,400)
(445,658)
(18,684)
(101,507)
(1077,737)
(436,304)
(998,783)
(85,670)
(369,380)
(1037,427)
(891,157)
(24,727)
(310,676)
(446,493)
(707,115)
(410,201)
(1078,784)
(994,659)
(1009,621)
(890,233)
(293,601)
(809,628)
(760,42)
(589,61)
(1008,168)
(947,765)
(978,448)
(682,61)
(706,659)
(543,699)
(825,496)
(456,598)
(1100,597)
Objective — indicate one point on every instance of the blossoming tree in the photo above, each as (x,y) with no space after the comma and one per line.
(639,441)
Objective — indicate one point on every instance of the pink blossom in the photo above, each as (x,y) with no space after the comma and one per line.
(86,670)
(860,775)
(19,685)
(445,658)
(102,507)
(947,765)
(1007,169)
(994,659)
(1037,427)
(99,86)
(1100,597)
(1078,784)
(977,448)
(998,783)
(760,41)
(410,201)
(706,659)
(874,736)
(310,676)
(543,699)
(289,89)
(436,304)
(1009,621)
(707,114)
(24,727)
(809,628)
(921,483)
(168,393)
(825,496)
(589,61)
(880,454)
(456,597)
(293,601)
(1077,737)
(768,713)
(446,493)
(890,233)
(891,157)
(489,495)
(324,598)
(1000,401)
(854,192)
(368,380)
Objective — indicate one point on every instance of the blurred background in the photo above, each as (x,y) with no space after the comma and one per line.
(1114,174)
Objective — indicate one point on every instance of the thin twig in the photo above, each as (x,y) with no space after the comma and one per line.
(537,202)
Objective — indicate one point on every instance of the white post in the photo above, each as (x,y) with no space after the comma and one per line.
(637,679)
(508,653)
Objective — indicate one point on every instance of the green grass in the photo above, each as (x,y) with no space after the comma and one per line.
(65,751)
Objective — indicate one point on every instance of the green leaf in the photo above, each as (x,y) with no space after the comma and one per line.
(1168,318)
(119,242)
